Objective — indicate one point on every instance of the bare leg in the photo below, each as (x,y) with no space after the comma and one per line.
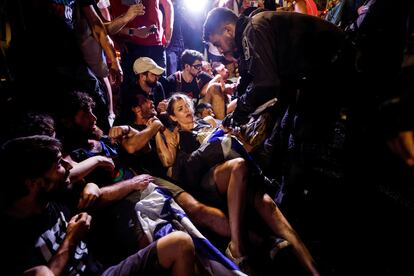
(232,106)
(203,215)
(40,270)
(110,99)
(215,97)
(176,251)
(230,178)
(277,222)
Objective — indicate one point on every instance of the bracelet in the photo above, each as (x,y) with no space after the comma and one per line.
(125,133)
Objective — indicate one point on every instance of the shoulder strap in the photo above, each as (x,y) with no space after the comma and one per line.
(179,83)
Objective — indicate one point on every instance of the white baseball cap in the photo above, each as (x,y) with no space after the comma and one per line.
(145,64)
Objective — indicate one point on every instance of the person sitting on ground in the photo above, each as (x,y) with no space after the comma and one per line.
(196,84)
(228,87)
(223,184)
(148,74)
(203,110)
(38,123)
(41,231)
(83,139)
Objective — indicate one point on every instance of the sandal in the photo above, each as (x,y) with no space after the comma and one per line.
(278,244)
(238,261)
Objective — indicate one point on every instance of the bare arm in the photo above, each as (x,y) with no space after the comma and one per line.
(82,169)
(133,140)
(403,146)
(77,228)
(94,197)
(167,149)
(142,32)
(210,120)
(168,19)
(300,6)
(99,32)
(118,23)
(207,86)
(121,189)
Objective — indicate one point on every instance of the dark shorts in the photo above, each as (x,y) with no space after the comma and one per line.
(174,189)
(209,193)
(144,262)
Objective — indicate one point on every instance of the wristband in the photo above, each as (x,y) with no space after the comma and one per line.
(125,133)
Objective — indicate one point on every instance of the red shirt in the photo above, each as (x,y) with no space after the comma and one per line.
(311,8)
(153,15)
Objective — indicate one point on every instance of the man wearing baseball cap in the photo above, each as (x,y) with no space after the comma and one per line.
(145,64)
(148,73)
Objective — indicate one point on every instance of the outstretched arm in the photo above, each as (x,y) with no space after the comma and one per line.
(133,140)
(82,169)
(115,192)
(118,23)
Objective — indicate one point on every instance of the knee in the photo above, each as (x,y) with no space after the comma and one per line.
(268,203)
(183,243)
(41,270)
(239,166)
(190,205)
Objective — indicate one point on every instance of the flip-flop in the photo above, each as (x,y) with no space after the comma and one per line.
(238,261)
(278,244)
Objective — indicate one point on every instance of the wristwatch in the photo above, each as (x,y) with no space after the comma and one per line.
(131,31)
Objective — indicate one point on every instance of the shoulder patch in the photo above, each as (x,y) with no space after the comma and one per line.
(246,48)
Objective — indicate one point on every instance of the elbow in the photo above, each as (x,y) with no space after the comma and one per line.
(130,149)
(167,162)
(134,147)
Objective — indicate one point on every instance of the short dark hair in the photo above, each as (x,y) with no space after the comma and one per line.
(34,123)
(132,100)
(74,102)
(25,158)
(216,19)
(190,56)
(200,107)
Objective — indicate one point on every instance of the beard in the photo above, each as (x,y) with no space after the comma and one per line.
(150,83)
(96,133)
(93,132)
(60,190)
(77,137)
(148,114)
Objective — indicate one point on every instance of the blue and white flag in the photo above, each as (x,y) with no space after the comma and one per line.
(159,215)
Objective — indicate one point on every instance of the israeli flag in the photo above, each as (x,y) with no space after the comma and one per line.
(159,215)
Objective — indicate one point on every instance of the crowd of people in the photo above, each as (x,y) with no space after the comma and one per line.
(285,144)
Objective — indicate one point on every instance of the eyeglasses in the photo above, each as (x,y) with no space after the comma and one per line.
(197,66)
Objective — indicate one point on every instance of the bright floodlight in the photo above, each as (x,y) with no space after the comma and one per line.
(195,6)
